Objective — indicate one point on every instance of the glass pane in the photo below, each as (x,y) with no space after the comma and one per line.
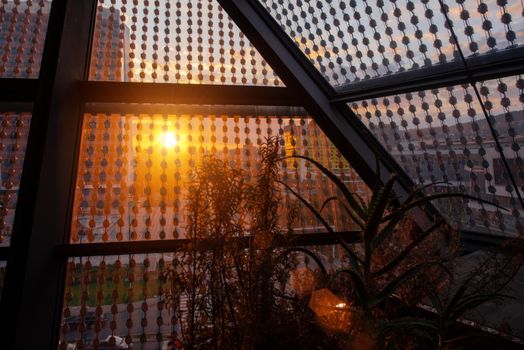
(14,129)
(134,169)
(145,299)
(350,41)
(175,42)
(503,99)
(118,296)
(487,25)
(23,26)
(442,135)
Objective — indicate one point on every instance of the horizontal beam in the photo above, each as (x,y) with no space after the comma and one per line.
(470,241)
(120,92)
(16,107)
(165,246)
(18,90)
(219,110)
(481,67)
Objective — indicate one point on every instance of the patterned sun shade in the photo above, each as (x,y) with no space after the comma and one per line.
(14,129)
(192,42)
(442,135)
(23,26)
(134,169)
(124,300)
(351,41)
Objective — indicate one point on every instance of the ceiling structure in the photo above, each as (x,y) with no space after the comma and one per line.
(432,89)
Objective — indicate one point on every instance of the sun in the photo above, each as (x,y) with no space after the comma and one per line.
(168,139)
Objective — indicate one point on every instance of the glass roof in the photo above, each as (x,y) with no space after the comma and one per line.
(442,135)
(443,131)
(351,41)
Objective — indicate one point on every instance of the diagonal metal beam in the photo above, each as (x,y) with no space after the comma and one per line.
(202,94)
(337,121)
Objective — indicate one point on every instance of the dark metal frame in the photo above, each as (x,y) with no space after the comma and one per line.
(32,295)
(481,67)
(172,245)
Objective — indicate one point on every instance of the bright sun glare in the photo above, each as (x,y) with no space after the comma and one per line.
(340,305)
(168,140)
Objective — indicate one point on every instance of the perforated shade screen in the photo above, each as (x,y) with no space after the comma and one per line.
(163,41)
(442,135)
(134,169)
(23,26)
(14,129)
(351,41)
(126,299)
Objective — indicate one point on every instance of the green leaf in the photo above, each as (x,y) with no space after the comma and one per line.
(379,209)
(410,322)
(397,282)
(435,300)
(376,212)
(341,186)
(354,259)
(360,288)
(471,302)
(326,202)
(306,251)
(396,261)
(428,199)
(418,190)
(386,231)
(350,213)
(453,301)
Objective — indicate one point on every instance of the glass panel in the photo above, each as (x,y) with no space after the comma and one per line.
(176,42)
(14,129)
(487,25)
(23,26)
(145,300)
(118,296)
(442,135)
(504,101)
(350,41)
(134,169)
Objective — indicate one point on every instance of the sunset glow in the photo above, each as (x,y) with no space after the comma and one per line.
(168,140)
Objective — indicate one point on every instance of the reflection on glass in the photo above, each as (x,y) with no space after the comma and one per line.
(442,135)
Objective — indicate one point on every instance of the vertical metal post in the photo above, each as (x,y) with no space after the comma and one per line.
(30,305)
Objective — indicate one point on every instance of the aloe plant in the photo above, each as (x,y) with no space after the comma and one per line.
(372,283)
